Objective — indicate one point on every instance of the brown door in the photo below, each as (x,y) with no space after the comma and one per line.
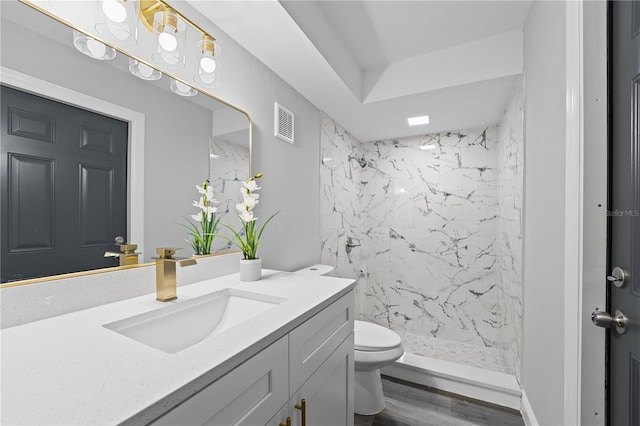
(63,186)
(624,236)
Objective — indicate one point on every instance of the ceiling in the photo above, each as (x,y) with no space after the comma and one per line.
(372,64)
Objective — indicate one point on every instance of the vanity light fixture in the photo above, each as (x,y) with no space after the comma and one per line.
(416,121)
(117,20)
(92,47)
(115,10)
(143,71)
(208,70)
(171,33)
(119,23)
(182,89)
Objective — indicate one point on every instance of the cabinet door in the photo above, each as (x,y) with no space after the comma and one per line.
(315,339)
(280,418)
(247,395)
(328,393)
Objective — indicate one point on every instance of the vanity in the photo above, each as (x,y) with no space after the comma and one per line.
(281,352)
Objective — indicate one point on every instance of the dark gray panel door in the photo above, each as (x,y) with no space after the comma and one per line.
(63,186)
(624,360)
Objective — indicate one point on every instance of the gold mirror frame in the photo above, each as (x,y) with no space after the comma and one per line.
(151,5)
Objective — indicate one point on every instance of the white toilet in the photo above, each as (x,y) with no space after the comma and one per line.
(375,347)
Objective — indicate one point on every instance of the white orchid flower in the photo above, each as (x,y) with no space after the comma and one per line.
(251,186)
(200,204)
(197,217)
(208,192)
(250,202)
(209,210)
(247,216)
(241,207)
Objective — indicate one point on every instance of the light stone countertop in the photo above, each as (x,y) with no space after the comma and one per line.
(70,370)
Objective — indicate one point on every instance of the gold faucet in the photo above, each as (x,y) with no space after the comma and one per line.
(127,254)
(166,273)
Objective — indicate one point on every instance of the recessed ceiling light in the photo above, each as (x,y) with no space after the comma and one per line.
(416,121)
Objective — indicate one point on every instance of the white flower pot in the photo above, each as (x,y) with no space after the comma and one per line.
(250,269)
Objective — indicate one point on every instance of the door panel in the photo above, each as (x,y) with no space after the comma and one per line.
(31,183)
(31,126)
(624,237)
(63,185)
(96,196)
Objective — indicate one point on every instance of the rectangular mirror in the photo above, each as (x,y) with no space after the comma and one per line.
(62,206)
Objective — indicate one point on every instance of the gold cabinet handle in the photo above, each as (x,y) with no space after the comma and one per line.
(288,422)
(303,408)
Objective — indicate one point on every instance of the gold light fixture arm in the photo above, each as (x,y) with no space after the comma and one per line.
(148,9)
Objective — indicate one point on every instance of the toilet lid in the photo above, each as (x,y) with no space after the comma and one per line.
(374,337)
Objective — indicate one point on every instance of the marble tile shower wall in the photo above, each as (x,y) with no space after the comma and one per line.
(428,222)
(228,170)
(339,207)
(509,238)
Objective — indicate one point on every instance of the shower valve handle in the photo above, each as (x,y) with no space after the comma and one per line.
(350,244)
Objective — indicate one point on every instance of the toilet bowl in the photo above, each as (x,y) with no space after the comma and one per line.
(375,347)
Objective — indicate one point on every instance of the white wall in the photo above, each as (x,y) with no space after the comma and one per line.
(595,204)
(291,182)
(543,340)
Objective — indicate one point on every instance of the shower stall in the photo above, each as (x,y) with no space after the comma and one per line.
(438,220)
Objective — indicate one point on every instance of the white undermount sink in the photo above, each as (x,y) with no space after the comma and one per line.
(188,322)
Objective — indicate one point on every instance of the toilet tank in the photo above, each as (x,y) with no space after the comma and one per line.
(317,269)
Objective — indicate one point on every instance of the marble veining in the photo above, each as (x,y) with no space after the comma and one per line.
(509,237)
(228,165)
(430,217)
(447,350)
(435,218)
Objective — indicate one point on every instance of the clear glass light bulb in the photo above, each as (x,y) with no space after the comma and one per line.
(96,48)
(114,10)
(207,63)
(145,70)
(167,40)
(183,88)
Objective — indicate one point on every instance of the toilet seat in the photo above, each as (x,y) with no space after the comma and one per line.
(370,337)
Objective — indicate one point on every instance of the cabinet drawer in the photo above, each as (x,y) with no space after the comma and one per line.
(247,395)
(314,340)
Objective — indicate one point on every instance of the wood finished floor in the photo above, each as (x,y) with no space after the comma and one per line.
(408,404)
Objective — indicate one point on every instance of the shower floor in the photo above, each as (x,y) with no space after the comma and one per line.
(447,350)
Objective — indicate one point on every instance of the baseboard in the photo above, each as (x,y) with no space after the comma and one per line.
(490,386)
(527,411)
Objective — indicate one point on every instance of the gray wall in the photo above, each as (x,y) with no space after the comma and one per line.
(291,182)
(544,177)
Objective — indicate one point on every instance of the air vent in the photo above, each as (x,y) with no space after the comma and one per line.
(283,123)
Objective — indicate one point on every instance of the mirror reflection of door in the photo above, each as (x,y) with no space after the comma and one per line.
(64,187)
(624,236)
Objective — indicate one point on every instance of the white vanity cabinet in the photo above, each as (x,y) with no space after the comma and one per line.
(314,363)
(244,396)
(321,369)
(327,394)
